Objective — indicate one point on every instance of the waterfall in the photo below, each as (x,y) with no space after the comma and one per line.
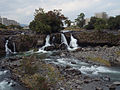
(14,49)
(73,42)
(47,43)
(8,51)
(64,40)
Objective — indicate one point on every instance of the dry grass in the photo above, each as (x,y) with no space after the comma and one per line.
(100,60)
(37,75)
(118,53)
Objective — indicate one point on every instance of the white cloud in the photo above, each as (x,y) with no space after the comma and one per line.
(23,10)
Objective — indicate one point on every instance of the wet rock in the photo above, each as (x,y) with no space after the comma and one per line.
(98,88)
(116,83)
(87,80)
(49,48)
(73,62)
(73,71)
(112,87)
(63,46)
(13,85)
(63,55)
(61,88)
(106,78)
(67,67)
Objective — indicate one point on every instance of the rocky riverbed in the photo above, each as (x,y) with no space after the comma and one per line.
(110,54)
(92,66)
(72,78)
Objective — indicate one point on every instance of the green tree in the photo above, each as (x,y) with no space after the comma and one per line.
(112,23)
(91,23)
(68,22)
(80,21)
(100,24)
(47,22)
(3,26)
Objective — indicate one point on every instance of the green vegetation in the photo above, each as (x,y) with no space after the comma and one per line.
(113,23)
(14,27)
(80,21)
(47,22)
(11,27)
(3,26)
(100,60)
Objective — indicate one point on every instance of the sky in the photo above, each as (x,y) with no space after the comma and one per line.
(23,10)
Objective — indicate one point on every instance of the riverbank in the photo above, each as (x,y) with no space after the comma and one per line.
(28,71)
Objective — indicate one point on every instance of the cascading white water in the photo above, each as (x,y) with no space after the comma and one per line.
(47,43)
(8,51)
(73,42)
(64,40)
(14,48)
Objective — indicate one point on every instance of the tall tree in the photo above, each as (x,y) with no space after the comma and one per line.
(47,22)
(80,21)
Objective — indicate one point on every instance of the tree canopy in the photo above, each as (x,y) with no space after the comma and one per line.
(112,23)
(80,21)
(47,22)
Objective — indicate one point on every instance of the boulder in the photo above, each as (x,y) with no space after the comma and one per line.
(63,46)
(49,48)
(73,71)
(116,83)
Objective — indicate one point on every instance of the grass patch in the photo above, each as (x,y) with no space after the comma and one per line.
(100,60)
(118,53)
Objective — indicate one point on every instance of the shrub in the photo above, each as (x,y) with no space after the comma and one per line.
(28,66)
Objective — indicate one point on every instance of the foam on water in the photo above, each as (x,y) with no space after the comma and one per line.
(8,51)
(4,85)
(96,70)
(3,72)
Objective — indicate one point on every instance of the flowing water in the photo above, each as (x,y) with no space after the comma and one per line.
(73,42)
(8,84)
(8,51)
(47,43)
(14,48)
(53,57)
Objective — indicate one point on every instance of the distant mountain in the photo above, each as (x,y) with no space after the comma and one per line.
(23,25)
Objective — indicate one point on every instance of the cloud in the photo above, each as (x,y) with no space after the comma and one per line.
(23,10)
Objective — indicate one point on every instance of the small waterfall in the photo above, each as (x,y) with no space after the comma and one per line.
(47,43)
(14,48)
(8,51)
(73,42)
(64,40)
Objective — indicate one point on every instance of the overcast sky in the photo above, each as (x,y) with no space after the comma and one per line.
(23,10)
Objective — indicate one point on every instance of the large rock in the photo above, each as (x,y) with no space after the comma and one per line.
(49,48)
(2,45)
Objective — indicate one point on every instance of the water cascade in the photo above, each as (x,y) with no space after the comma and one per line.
(64,40)
(14,48)
(47,43)
(8,51)
(73,42)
